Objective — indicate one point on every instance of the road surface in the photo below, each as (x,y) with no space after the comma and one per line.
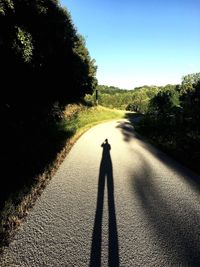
(130,205)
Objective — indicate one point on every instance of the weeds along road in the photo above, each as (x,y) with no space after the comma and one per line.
(128,206)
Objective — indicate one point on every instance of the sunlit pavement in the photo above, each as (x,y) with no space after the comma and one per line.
(133,207)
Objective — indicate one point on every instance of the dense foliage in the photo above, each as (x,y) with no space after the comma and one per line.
(173,120)
(42,56)
(44,65)
(133,100)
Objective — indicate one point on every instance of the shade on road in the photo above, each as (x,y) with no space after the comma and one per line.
(124,205)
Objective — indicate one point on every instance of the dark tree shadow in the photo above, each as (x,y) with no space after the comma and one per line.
(129,133)
(176,235)
(105,171)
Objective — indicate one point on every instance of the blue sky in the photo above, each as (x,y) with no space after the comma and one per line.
(140,42)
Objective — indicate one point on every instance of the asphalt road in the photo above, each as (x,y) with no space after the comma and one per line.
(130,205)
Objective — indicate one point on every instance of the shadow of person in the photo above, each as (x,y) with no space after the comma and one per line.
(105,171)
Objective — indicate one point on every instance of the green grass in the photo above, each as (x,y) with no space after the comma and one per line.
(86,117)
(78,118)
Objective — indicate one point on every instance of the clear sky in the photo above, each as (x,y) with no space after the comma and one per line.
(140,42)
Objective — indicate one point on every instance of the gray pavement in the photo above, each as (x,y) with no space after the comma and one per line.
(128,206)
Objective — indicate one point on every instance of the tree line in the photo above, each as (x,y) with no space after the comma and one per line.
(170,114)
(172,120)
(133,100)
(44,64)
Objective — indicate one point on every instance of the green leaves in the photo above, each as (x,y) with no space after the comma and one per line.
(189,82)
(22,44)
(6,5)
(133,100)
(39,41)
(164,103)
(41,7)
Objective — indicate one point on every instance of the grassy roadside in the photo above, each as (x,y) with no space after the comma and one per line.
(77,119)
(84,118)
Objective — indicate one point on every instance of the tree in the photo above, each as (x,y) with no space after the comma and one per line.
(44,64)
(41,51)
(164,103)
(189,82)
